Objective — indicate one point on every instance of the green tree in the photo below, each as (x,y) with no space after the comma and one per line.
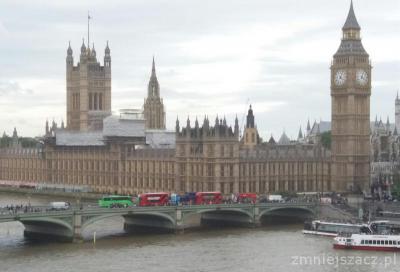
(326,139)
(396,185)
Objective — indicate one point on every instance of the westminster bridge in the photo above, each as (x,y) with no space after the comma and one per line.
(69,224)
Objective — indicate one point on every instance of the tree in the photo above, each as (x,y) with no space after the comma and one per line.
(326,139)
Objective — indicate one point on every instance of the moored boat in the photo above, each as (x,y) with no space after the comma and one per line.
(326,228)
(368,242)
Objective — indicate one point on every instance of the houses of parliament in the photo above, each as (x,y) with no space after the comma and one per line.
(134,152)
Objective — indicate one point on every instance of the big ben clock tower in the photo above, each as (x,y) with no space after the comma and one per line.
(350,92)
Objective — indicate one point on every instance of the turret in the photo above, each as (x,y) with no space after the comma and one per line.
(177,128)
(47,127)
(300,136)
(250,118)
(93,52)
(387,125)
(15,142)
(107,57)
(196,127)
(397,110)
(308,127)
(83,49)
(153,89)
(236,131)
(188,123)
(70,58)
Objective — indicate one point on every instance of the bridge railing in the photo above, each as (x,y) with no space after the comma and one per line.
(17,210)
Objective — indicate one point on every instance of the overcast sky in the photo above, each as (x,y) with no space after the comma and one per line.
(212,57)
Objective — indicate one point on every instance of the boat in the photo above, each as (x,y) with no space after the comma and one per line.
(385,227)
(368,242)
(326,228)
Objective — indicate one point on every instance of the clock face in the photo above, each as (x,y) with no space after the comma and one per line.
(340,77)
(362,77)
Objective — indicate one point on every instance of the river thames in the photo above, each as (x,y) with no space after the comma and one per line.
(269,248)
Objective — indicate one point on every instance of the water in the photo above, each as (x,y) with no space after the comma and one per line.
(272,248)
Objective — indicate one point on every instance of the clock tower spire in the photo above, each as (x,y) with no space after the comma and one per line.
(350,93)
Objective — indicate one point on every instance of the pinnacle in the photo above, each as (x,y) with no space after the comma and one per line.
(351,21)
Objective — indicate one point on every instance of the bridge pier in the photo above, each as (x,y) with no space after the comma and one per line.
(256,217)
(179,224)
(77,228)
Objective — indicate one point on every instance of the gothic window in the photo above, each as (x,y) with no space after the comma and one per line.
(100,101)
(90,101)
(95,102)
(253,137)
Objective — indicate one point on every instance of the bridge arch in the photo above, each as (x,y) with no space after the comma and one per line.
(225,214)
(47,220)
(47,228)
(290,212)
(129,215)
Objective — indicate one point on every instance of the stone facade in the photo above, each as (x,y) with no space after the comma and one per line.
(128,155)
(88,90)
(207,157)
(350,92)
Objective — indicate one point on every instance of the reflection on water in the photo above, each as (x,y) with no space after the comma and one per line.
(272,248)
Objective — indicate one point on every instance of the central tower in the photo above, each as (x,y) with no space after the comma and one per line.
(153,105)
(350,92)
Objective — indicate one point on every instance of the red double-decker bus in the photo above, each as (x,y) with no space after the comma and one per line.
(247,198)
(154,199)
(208,198)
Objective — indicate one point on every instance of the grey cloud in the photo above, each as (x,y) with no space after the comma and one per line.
(13,88)
(35,47)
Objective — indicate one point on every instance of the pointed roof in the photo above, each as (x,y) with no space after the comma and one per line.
(69,50)
(308,125)
(318,129)
(15,134)
(395,131)
(300,136)
(284,140)
(272,140)
(153,87)
(107,50)
(153,68)
(351,21)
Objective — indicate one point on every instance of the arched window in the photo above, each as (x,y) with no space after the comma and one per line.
(90,101)
(100,101)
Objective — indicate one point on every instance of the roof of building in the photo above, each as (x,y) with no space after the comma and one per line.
(114,126)
(351,21)
(324,126)
(353,47)
(160,138)
(286,152)
(78,138)
(284,140)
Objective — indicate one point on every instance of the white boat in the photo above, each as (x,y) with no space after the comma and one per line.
(325,228)
(368,242)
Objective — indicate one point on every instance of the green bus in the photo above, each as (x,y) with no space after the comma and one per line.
(115,201)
